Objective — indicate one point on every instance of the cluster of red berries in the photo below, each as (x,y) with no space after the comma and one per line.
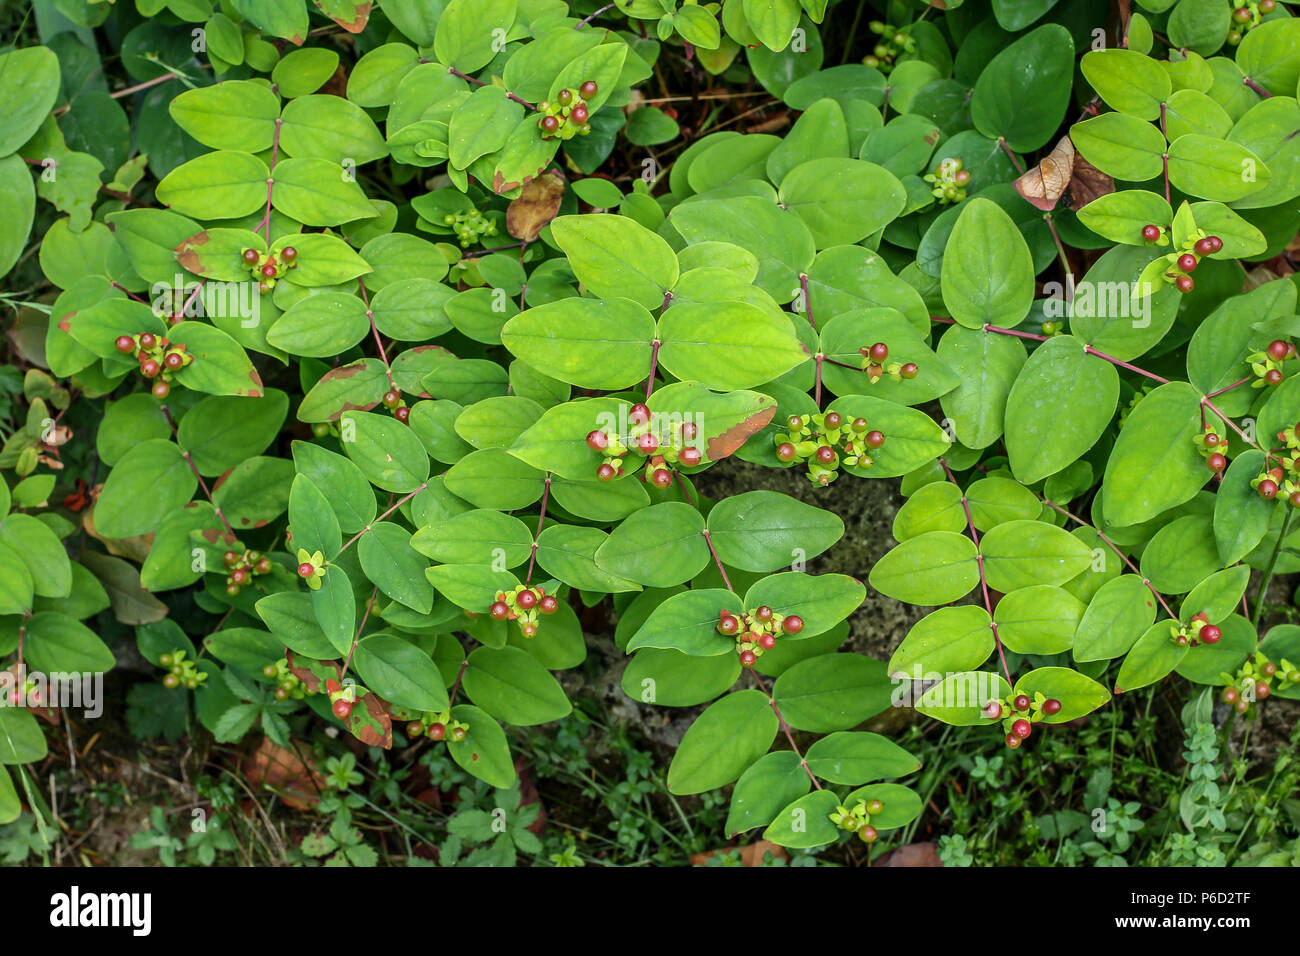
(242,566)
(1185,261)
(1018,714)
(812,439)
(1283,478)
(288,686)
(873,363)
(1267,365)
(523,604)
(1212,446)
(440,726)
(394,402)
(159,359)
(568,116)
(659,447)
(1246,17)
(756,631)
(266,268)
(1254,681)
(1196,632)
(182,671)
(948,181)
(858,819)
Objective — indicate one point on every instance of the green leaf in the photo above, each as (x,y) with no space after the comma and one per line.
(770,783)
(1039,619)
(225,184)
(335,607)
(722,742)
(1120,216)
(988,274)
(842,201)
(1022,95)
(822,600)
(317,192)
(1215,169)
(57,643)
(687,622)
(476,537)
(42,552)
(466,34)
(220,366)
(658,546)
(1127,81)
(322,325)
(236,114)
(220,431)
(148,482)
(902,804)
(805,823)
(949,639)
(1241,515)
(346,489)
(1217,596)
(1061,403)
(614,256)
(29,88)
(727,345)
(400,672)
(1018,554)
(851,758)
(387,452)
(21,739)
(1151,659)
(330,128)
(1154,465)
(832,692)
(670,678)
(484,752)
(471,586)
(959,699)
(1120,145)
(773,21)
(1121,611)
(395,568)
(933,568)
(1268,55)
(513,687)
(765,530)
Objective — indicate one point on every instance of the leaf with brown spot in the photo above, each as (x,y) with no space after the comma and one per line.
(350,16)
(729,441)
(1043,185)
(373,724)
(357,386)
(136,548)
(536,206)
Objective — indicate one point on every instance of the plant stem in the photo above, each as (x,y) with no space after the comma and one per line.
(1268,571)
(402,501)
(370,315)
(789,735)
(716,560)
(1247,81)
(202,484)
(807,303)
(541,520)
(473,79)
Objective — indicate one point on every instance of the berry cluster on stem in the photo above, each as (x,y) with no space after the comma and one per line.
(756,631)
(858,819)
(470,226)
(816,440)
(182,672)
(266,267)
(894,42)
(874,359)
(1254,681)
(1019,713)
(948,181)
(242,566)
(569,115)
(438,726)
(159,359)
(658,447)
(523,604)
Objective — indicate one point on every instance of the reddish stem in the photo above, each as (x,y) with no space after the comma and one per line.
(807,302)
(400,502)
(1247,81)
(472,79)
(789,735)
(541,520)
(383,356)
(190,461)
(716,560)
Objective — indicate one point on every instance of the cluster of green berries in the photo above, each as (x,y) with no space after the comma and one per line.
(288,686)
(1248,16)
(948,181)
(568,116)
(470,226)
(1184,261)
(267,267)
(1254,681)
(523,604)
(1283,478)
(1195,632)
(894,41)
(1267,364)
(815,440)
(657,447)
(858,819)
(394,402)
(311,568)
(182,671)
(439,726)
(875,362)
(1212,444)
(1019,713)
(159,359)
(756,631)
(242,566)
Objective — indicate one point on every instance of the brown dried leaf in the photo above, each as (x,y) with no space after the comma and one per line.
(537,205)
(299,783)
(1086,184)
(751,855)
(1043,185)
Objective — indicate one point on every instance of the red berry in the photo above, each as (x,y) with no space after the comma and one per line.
(250,256)
(1051,706)
(125,344)
(638,414)
(727,625)
(437,731)
(1150,232)
(792,624)
(550,124)
(149,368)
(606,472)
(879,352)
(263,566)
(173,360)
(1268,669)
(269,270)
(826,454)
(859,425)
(875,439)
(747,658)
(1262,690)
(1216,462)
(239,575)
(579,115)
(230,558)
(1211,439)
(1273,377)
(1230,695)
(402,414)
(764,613)
(1277,350)
(232,588)
(909,370)
(689,430)
(794,422)
(661,478)
(1184,284)
(1021,702)
(392,399)
(148,340)
(458,734)
(833,420)
(161,389)
(1187,262)
(526,599)
(1267,6)
(306,569)
(1215,241)
(1295,499)
(647,444)
(499,611)
(1022,728)
(414,728)
(288,253)
(993,710)
(785,451)
(767,641)
(565,96)
(342,709)
(528,629)
(690,457)
(868,834)
(1013,741)
(548,605)
(1210,634)
(597,440)
(1243,706)
(588,89)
